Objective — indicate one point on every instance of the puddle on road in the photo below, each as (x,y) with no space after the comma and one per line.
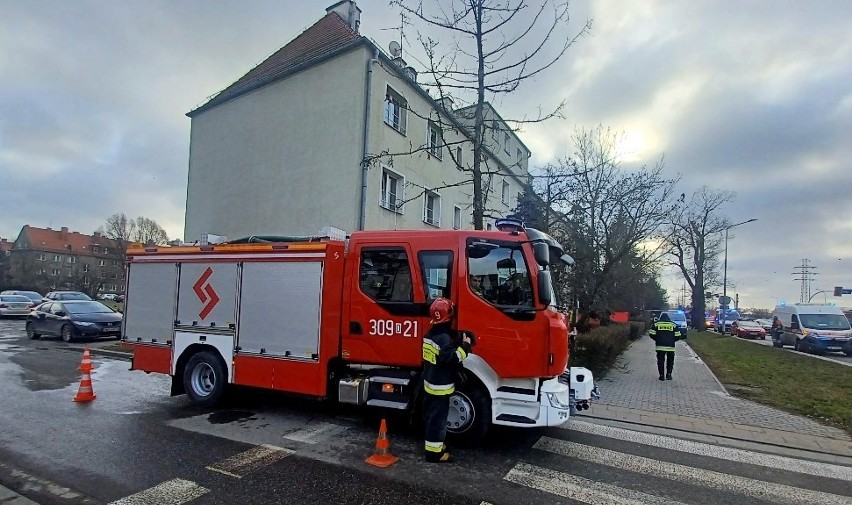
(230,416)
(39,373)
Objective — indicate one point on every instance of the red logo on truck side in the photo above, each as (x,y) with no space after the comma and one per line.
(205,293)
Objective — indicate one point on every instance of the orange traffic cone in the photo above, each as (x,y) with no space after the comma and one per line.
(86,364)
(85,393)
(381,455)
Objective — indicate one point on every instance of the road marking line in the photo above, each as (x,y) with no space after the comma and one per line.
(171,492)
(580,489)
(240,465)
(728,453)
(681,473)
(311,435)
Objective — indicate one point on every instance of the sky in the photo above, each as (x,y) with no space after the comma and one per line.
(749,96)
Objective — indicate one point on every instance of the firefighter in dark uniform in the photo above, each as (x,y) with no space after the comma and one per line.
(665,334)
(443,353)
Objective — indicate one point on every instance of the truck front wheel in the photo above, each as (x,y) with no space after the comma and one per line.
(470,414)
(204,378)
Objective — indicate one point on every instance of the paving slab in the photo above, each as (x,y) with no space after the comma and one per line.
(695,401)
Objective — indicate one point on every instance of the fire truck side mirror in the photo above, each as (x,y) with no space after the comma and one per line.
(544,295)
(542,253)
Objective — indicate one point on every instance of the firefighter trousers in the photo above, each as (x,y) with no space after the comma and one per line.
(665,362)
(436,408)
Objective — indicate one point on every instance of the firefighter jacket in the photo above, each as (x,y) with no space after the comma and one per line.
(665,334)
(442,357)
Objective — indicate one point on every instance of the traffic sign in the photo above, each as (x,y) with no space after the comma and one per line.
(724,300)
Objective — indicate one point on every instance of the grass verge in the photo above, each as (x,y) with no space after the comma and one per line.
(815,388)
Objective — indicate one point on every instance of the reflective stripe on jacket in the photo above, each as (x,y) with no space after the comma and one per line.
(441,360)
(665,334)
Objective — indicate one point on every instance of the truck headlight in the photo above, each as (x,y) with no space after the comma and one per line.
(556,401)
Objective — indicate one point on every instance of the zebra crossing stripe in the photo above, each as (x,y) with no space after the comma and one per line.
(713,451)
(579,488)
(686,474)
(171,492)
(242,464)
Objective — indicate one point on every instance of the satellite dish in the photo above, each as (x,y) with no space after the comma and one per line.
(395,49)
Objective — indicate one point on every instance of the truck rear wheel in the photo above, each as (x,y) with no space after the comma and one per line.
(204,378)
(470,414)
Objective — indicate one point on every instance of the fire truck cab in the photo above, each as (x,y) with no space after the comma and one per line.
(344,320)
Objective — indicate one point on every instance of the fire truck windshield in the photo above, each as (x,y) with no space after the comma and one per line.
(498,273)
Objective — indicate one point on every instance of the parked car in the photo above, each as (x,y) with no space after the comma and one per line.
(67,295)
(73,319)
(35,296)
(15,305)
(108,296)
(766,324)
(747,329)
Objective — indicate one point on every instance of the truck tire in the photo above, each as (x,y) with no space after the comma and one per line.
(204,379)
(470,414)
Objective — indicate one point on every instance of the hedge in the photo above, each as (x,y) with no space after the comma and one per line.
(598,349)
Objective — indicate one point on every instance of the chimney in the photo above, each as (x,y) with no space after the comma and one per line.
(97,234)
(446,103)
(63,231)
(349,12)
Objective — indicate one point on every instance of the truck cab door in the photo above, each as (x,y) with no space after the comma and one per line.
(386,313)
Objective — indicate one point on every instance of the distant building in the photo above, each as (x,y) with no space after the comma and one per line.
(282,149)
(44,259)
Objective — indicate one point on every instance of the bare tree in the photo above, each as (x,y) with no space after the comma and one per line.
(609,216)
(148,231)
(496,45)
(694,242)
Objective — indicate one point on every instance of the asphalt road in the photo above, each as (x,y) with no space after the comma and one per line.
(135,444)
(833,356)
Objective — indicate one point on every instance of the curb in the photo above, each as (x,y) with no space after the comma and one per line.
(728,437)
(697,357)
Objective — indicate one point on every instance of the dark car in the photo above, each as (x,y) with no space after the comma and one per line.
(73,319)
(67,295)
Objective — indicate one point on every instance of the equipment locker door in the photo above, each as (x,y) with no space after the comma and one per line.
(387,307)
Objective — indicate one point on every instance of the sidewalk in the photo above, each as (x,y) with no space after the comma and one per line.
(697,404)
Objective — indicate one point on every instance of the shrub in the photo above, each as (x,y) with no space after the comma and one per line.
(598,349)
(637,328)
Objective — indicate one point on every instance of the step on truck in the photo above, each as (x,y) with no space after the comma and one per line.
(344,320)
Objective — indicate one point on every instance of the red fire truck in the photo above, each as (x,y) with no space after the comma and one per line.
(344,320)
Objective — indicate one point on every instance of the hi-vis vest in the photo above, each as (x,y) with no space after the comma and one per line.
(441,359)
(664,334)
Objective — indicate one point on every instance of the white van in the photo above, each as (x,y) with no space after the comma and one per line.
(810,327)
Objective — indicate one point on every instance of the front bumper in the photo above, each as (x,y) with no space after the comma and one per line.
(558,401)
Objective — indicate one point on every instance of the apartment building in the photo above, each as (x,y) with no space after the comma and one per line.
(45,259)
(330,130)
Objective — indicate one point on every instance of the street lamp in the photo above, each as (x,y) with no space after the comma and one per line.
(725,275)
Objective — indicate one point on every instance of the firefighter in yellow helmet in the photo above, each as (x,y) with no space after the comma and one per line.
(443,353)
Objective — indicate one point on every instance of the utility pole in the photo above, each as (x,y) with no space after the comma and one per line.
(805,273)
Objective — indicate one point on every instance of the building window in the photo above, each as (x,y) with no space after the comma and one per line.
(495,130)
(72,259)
(457,217)
(520,155)
(431,208)
(518,198)
(40,271)
(504,196)
(506,140)
(86,281)
(395,107)
(85,268)
(106,250)
(488,226)
(55,271)
(115,263)
(57,258)
(392,186)
(101,263)
(459,157)
(41,257)
(435,141)
(70,273)
(96,249)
